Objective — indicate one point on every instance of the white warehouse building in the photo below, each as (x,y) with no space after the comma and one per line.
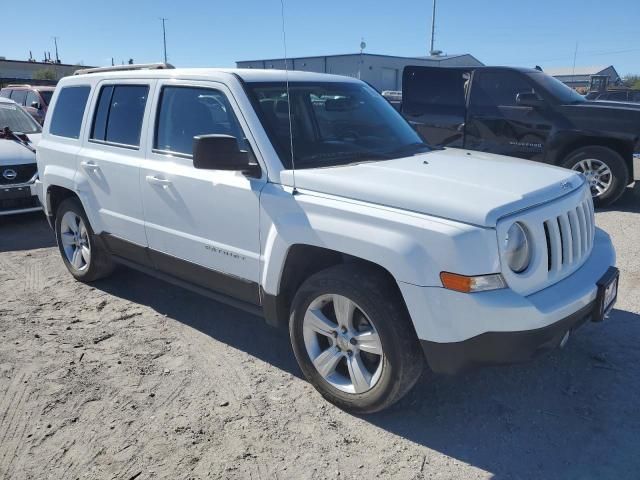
(384,72)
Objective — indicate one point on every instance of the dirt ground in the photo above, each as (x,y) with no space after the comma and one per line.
(132,378)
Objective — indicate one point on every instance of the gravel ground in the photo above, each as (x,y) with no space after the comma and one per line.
(131,378)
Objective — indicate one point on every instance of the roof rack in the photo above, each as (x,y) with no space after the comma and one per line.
(14,85)
(123,68)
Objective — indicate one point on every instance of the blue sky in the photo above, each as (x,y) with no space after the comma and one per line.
(217,33)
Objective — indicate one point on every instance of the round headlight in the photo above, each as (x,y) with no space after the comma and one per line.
(517,251)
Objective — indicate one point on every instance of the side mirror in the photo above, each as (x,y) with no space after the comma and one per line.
(221,152)
(529,99)
(36,105)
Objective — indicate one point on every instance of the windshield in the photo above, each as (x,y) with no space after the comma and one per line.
(46,96)
(557,89)
(17,119)
(332,123)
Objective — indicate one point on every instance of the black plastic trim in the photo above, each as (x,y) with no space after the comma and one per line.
(501,348)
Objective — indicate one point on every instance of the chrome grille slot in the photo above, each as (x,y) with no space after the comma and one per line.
(569,236)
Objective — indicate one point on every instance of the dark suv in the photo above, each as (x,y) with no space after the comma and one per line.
(35,99)
(528,114)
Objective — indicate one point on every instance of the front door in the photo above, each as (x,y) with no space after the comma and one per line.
(202,225)
(495,121)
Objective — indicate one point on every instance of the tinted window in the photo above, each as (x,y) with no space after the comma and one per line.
(68,111)
(46,96)
(635,97)
(17,119)
(617,96)
(19,96)
(119,114)
(186,112)
(423,88)
(498,88)
(5,92)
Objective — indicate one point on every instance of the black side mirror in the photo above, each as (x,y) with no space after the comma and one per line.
(221,152)
(36,105)
(529,99)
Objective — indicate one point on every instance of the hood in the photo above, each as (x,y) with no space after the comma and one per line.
(14,153)
(470,187)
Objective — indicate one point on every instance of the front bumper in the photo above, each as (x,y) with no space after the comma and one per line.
(459,330)
(19,198)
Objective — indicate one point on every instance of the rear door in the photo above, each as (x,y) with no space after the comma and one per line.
(495,121)
(433,101)
(110,163)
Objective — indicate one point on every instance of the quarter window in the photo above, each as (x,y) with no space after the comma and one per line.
(186,112)
(18,96)
(119,113)
(68,111)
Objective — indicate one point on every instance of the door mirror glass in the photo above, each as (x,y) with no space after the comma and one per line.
(219,152)
(529,99)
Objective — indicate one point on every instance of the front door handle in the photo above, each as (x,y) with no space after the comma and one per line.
(88,165)
(163,182)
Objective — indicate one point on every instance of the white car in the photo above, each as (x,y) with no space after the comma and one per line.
(19,133)
(375,250)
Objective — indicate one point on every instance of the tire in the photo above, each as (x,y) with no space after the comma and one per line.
(377,308)
(98,263)
(590,159)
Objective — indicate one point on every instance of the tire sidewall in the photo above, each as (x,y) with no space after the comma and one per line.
(73,205)
(381,314)
(615,163)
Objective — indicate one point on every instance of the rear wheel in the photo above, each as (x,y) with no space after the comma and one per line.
(604,170)
(353,338)
(82,252)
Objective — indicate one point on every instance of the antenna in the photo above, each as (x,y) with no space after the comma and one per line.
(286,73)
(433,28)
(164,38)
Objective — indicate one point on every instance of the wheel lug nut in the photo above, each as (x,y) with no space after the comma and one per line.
(344,329)
(349,352)
(353,341)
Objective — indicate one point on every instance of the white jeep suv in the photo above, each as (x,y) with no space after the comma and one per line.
(306,198)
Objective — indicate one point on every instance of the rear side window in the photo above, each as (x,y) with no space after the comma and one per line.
(119,114)
(186,112)
(68,111)
(19,96)
(424,89)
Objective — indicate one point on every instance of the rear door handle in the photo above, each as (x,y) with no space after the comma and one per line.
(153,180)
(92,166)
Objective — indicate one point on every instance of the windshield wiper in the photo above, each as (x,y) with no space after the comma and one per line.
(407,149)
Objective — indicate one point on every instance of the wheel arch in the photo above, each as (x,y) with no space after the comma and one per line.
(302,261)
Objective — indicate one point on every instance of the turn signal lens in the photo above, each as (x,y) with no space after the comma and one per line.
(480,283)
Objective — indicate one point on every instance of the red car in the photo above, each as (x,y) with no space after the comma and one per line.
(35,99)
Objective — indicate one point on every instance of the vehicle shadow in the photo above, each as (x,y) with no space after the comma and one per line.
(25,232)
(569,414)
(628,202)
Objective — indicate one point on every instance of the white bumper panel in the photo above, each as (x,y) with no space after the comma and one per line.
(442,315)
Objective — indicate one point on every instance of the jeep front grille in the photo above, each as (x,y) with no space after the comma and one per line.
(569,236)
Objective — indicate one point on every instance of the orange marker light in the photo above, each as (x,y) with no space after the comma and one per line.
(466,284)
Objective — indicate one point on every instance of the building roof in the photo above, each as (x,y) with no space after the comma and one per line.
(570,71)
(357,54)
(46,64)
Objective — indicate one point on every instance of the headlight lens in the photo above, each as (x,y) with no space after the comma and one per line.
(517,250)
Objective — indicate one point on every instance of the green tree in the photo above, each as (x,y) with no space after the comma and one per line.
(44,74)
(632,81)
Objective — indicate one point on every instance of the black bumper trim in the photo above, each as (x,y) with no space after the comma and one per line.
(501,348)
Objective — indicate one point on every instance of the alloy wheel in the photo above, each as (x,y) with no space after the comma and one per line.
(75,241)
(343,344)
(597,173)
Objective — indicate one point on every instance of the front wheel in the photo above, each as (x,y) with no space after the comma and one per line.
(605,171)
(353,338)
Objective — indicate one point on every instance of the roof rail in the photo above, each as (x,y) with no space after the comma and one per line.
(14,85)
(122,68)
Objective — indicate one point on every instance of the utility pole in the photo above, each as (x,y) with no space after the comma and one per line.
(164,38)
(433,28)
(55,41)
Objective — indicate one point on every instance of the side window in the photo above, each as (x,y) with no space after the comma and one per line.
(19,96)
(31,98)
(617,96)
(498,89)
(424,89)
(185,112)
(5,92)
(635,97)
(68,111)
(119,113)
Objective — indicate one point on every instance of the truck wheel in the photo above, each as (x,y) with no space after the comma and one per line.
(604,169)
(82,252)
(353,338)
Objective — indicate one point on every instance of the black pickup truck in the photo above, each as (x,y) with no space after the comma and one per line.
(528,114)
